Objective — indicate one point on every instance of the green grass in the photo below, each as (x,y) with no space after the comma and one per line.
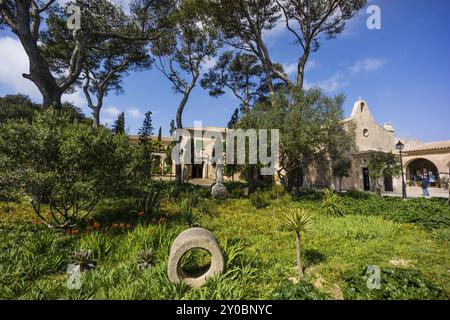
(409,241)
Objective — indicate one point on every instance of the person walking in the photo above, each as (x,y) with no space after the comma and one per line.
(425,184)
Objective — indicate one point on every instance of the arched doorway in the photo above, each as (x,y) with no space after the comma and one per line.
(418,168)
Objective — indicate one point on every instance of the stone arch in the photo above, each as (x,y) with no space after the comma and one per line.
(417,167)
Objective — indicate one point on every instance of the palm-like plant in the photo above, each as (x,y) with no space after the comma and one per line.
(298,221)
(332,203)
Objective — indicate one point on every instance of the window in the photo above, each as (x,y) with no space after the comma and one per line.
(366,133)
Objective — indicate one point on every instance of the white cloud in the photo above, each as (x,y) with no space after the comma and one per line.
(332,84)
(14,62)
(290,69)
(367,65)
(112,112)
(208,64)
(278,30)
(134,113)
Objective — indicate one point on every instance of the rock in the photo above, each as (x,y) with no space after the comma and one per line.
(195,238)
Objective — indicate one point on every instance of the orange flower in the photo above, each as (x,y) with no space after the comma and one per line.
(141,214)
(162,220)
(115,225)
(96,225)
(75,232)
(122,225)
(128,226)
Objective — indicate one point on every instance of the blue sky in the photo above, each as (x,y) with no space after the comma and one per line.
(402,71)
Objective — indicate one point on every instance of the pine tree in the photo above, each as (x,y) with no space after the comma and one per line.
(234,120)
(159,134)
(119,124)
(145,147)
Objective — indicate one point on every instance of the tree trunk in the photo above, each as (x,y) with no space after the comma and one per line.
(340,184)
(251,179)
(96,117)
(301,70)
(299,258)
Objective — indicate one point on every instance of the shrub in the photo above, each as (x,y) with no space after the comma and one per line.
(99,244)
(83,258)
(396,284)
(277,191)
(299,291)
(188,214)
(149,203)
(146,259)
(332,204)
(65,164)
(259,200)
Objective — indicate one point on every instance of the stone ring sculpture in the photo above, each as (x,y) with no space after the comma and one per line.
(195,238)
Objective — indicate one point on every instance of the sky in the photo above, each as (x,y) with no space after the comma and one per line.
(402,71)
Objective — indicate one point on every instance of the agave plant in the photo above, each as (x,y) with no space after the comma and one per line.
(332,204)
(146,259)
(150,202)
(298,221)
(83,258)
(188,214)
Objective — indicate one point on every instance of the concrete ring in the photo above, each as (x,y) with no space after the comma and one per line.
(195,238)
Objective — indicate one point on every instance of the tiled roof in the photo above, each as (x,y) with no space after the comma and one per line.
(430,146)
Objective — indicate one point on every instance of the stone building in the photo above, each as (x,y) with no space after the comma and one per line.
(432,159)
(419,158)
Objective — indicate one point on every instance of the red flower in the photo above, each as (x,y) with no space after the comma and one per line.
(141,214)
(122,225)
(115,225)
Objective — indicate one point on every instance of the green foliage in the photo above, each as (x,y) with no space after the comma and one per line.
(150,202)
(98,244)
(277,191)
(187,212)
(332,204)
(146,259)
(119,124)
(67,164)
(383,164)
(427,213)
(310,125)
(396,284)
(299,291)
(259,200)
(299,220)
(83,258)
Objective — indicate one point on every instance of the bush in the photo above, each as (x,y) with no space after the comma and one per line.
(277,191)
(299,291)
(396,284)
(65,164)
(427,213)
(259,200)
(332,204)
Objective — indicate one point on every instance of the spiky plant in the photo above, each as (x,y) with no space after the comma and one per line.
(332,204)
(146,259)
(298,221)
(84,259)
(187,212)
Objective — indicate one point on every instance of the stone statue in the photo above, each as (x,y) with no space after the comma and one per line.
(219,190)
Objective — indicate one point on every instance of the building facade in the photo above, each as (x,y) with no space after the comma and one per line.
(432,159)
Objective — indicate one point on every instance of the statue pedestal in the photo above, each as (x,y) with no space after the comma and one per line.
(219,190)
